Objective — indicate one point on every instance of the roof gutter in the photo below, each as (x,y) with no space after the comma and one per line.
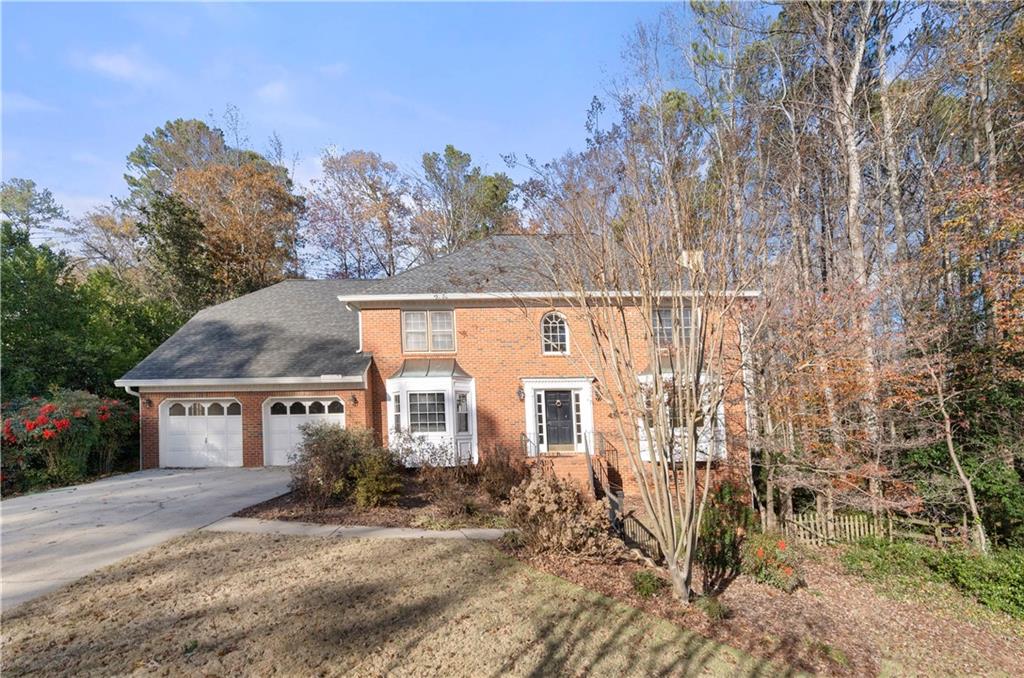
(352,301)
(243,381)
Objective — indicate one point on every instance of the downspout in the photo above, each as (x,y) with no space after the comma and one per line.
(129,391)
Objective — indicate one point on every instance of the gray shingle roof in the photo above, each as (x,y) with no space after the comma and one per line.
(515,264)
(501,263)
(296,328)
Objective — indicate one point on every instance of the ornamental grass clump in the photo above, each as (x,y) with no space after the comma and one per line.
(64,439)
(770,559)
(554,517)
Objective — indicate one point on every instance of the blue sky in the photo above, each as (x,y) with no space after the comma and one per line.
(82,83)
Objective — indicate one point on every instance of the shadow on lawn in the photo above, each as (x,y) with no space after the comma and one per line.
(303,606)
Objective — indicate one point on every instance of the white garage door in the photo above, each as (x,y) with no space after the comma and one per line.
(201,433)
(283,419)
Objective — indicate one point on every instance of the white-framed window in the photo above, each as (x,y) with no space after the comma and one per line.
(426,412)
(428,331)
(664,328)
(554,332)
(397,411)
(539,411)
(462,413)
(210,409)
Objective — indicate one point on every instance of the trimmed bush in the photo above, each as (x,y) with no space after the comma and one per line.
(727,520)
(647,584)
(323,468)
(995,580)
(770,559)
(554,517)
(65,438)
(377,479)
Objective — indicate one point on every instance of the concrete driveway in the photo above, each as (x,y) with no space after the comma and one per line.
(52,538)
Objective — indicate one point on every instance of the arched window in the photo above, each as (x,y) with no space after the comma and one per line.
(196,410)
(297,408)
(554,333)
(316,408)
(335,407)
(234,410)
(279,408)
(177,410)
(215,410)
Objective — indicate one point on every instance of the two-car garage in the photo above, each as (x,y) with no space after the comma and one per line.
(208,432)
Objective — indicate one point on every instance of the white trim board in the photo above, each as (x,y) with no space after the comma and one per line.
(321,382)
(353,301)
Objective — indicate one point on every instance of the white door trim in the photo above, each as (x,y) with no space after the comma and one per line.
(583,385)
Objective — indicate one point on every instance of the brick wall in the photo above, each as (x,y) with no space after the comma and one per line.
(499,345)
(356,415)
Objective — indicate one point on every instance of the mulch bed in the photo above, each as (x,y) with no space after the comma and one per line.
(414,508)
(838,624)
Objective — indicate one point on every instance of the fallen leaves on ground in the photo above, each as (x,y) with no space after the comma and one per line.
(838,624)
(240,604)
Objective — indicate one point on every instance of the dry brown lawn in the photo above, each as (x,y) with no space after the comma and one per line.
(220,604)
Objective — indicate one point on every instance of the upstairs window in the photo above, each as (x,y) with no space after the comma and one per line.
(428,331)
(664,328)
(554,334)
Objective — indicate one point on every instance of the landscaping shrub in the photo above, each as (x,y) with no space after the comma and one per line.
(500,471)
(323,468)
(450,482)
(377,479)
(770,559)
(724,526)
(65,438)
(413,451)
(714,608)
(995,580)
(554,517)
(647,584)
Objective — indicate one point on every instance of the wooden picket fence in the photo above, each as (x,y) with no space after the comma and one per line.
(815,529)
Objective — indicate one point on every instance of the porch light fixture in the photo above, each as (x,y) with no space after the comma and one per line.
(521,394)
(353,399)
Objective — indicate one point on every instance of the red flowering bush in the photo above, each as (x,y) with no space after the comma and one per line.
(771,559)
(63,439)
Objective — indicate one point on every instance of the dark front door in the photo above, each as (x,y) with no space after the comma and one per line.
(558,419)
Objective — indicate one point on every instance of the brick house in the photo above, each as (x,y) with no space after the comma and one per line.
(474,350)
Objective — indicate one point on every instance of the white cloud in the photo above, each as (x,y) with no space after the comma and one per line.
(129,67)
(306,170)
(16,102)
(78,205)
(275,91)
(335,70)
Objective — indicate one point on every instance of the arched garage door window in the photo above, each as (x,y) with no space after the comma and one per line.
(284,418)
